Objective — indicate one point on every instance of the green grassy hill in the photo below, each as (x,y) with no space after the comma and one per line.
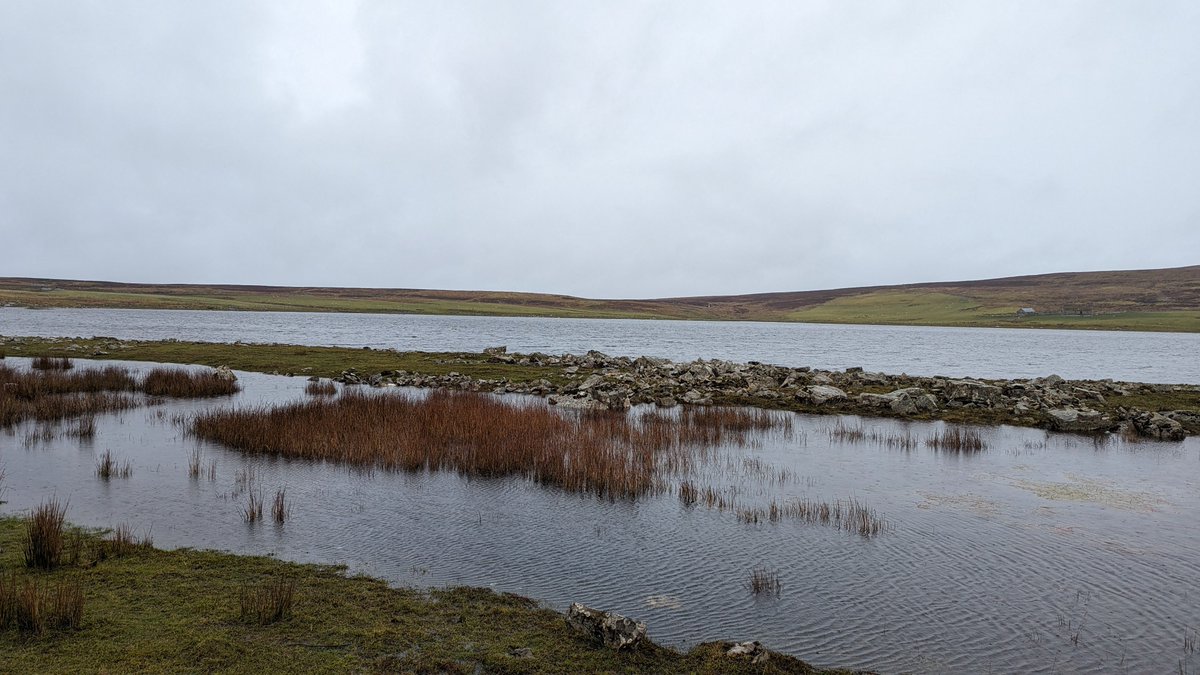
(1157,300)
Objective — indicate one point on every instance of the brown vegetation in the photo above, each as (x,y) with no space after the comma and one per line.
(268,603)
(609,454)
(320,388)
(108,467)
(765,582)
(28,605)
(184,383)
(43,544)
(280,509)
(52,363)
(957,439)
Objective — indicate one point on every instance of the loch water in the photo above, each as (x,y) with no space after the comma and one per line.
(915,350)
(1042,553)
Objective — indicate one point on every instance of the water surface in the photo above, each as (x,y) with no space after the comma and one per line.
(1044,553)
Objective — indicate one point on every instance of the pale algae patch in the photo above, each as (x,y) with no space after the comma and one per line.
(1106,493)
(974,503)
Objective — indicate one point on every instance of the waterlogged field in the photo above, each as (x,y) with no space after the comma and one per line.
(856,542)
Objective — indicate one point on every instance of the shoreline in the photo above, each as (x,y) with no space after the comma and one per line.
(178,610)
(598,381)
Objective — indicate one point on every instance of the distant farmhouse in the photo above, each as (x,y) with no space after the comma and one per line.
(1026,311)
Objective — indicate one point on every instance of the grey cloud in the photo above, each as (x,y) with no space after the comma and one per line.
(618,150)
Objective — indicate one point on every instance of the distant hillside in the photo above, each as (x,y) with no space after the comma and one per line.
(1159,300)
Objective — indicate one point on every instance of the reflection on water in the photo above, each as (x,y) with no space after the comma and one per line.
(1042,552)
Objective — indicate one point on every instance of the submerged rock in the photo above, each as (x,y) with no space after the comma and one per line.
(607,628)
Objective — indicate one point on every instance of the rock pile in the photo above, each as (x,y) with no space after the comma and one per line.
(598,381)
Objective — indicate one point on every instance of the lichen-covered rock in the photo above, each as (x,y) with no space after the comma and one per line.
(1079,421)
(823,393)
(607,628)
(1157,425)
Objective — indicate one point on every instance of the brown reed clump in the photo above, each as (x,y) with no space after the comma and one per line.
(195,460)
(688,494)
(615,455)
(108,467)
(252,512)
(184,383)
(84,428)
(765,582)
(320,388)
(280,509)
(52,363)
(957,439)
(30,606)
(268,603)
(123,542)
(43,545)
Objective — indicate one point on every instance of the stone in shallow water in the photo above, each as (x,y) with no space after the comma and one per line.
(607,628)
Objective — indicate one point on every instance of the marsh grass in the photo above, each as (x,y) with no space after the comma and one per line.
(108,467)
(43,545)
(184,383)
(859,434)
(195,463)
(32,606)
(267,603)
(51,363)
(84,428)
(280,509)
(320,388)
(765,582)
(957,439)
(252,512)
(850,515)
(610,454)
(49,395)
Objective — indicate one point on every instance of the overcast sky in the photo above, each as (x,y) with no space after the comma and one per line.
(629,149)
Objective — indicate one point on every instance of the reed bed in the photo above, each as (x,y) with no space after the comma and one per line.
(53,395)
(184,383)
(43,545)
(268,603)
(609,454)
(765,582)
(688,494)
(108,467)
(320,388)
(51,363)
(84,428)
(958,440)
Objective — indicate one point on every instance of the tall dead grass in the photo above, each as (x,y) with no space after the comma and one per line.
(609,454)
(43,544)
(184,383)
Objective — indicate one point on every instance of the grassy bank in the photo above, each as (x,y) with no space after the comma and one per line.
(148,610)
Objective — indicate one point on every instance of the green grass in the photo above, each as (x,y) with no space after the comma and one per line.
(287,359)
(179,611)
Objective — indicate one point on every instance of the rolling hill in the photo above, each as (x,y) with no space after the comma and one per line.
(1158,300)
